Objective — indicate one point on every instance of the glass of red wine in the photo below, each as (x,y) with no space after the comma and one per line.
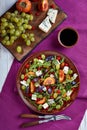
(68,37)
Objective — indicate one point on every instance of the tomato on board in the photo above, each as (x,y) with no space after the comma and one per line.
(43,5)
(23,5)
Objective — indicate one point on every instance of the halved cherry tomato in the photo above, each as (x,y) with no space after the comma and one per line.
(41,101)
(23,5)
(43,5)
(32,87)
(49,80)
(61,75)
(62,65)
(30,73)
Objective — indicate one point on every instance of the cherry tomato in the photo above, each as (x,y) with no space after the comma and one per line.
(43,5)
(23,5)
(61,75)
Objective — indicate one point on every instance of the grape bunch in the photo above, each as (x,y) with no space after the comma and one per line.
(14,25)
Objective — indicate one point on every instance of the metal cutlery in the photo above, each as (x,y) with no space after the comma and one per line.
(46,118)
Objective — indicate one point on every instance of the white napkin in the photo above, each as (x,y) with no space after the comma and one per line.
(83,125)
(6,58)
(5,5)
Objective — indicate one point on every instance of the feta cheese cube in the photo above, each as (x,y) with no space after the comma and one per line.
(52,14)
(45,25)
(41,61)
(69,92)
(51,101)
(75,75)
(52,75)
(44,88)
(24,83)
(65,69)
(34,97)
(38,73)
(45,105)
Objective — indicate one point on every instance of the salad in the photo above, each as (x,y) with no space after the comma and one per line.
(48,82)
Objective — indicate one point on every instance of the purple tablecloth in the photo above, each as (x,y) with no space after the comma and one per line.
(11,105)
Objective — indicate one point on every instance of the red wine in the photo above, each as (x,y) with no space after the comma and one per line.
(68,37)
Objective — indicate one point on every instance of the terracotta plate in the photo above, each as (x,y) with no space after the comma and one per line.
(36,89)
(39,35)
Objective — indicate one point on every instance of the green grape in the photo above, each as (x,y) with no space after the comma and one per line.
(19,49)
(22,20)
(16,12)
(7,43)
(4,41)
(28,42)
(6,38)
(11,41)
(21,28)
(5,24)
(12,31)
(27,16)
(32,39)
(29,27)
(24,36)
(26,21)
(12,37)
(12,15)
(31,17)
(23,14)
(3,31)
(3,19)
(10,25)
(19,24)
(16,20)
(8,15)
(31,35)
(25,26)
(17,33)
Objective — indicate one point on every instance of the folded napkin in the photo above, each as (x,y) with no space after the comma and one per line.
(6,61)
(83,125)
(5,57)
(5,5)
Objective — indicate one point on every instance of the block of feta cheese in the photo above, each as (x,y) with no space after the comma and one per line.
(52,14)
(45,25)
(34,97)
(24,83)
(66,69)
(45,105)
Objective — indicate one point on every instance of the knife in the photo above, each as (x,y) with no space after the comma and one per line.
(53,118)
(35,116)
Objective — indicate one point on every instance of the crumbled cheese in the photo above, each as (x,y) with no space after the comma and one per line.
(52,14)
(24,83)
(41,61)
(69,92)
(52,75)
(75,75)
(45,25)
(34,97)
(45,105)
(44,88)
(65,69)
(38,73)
(51,101)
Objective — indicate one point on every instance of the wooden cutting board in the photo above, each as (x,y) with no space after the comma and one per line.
(39,35)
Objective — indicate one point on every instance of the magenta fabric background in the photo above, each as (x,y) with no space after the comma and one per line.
(11,105)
